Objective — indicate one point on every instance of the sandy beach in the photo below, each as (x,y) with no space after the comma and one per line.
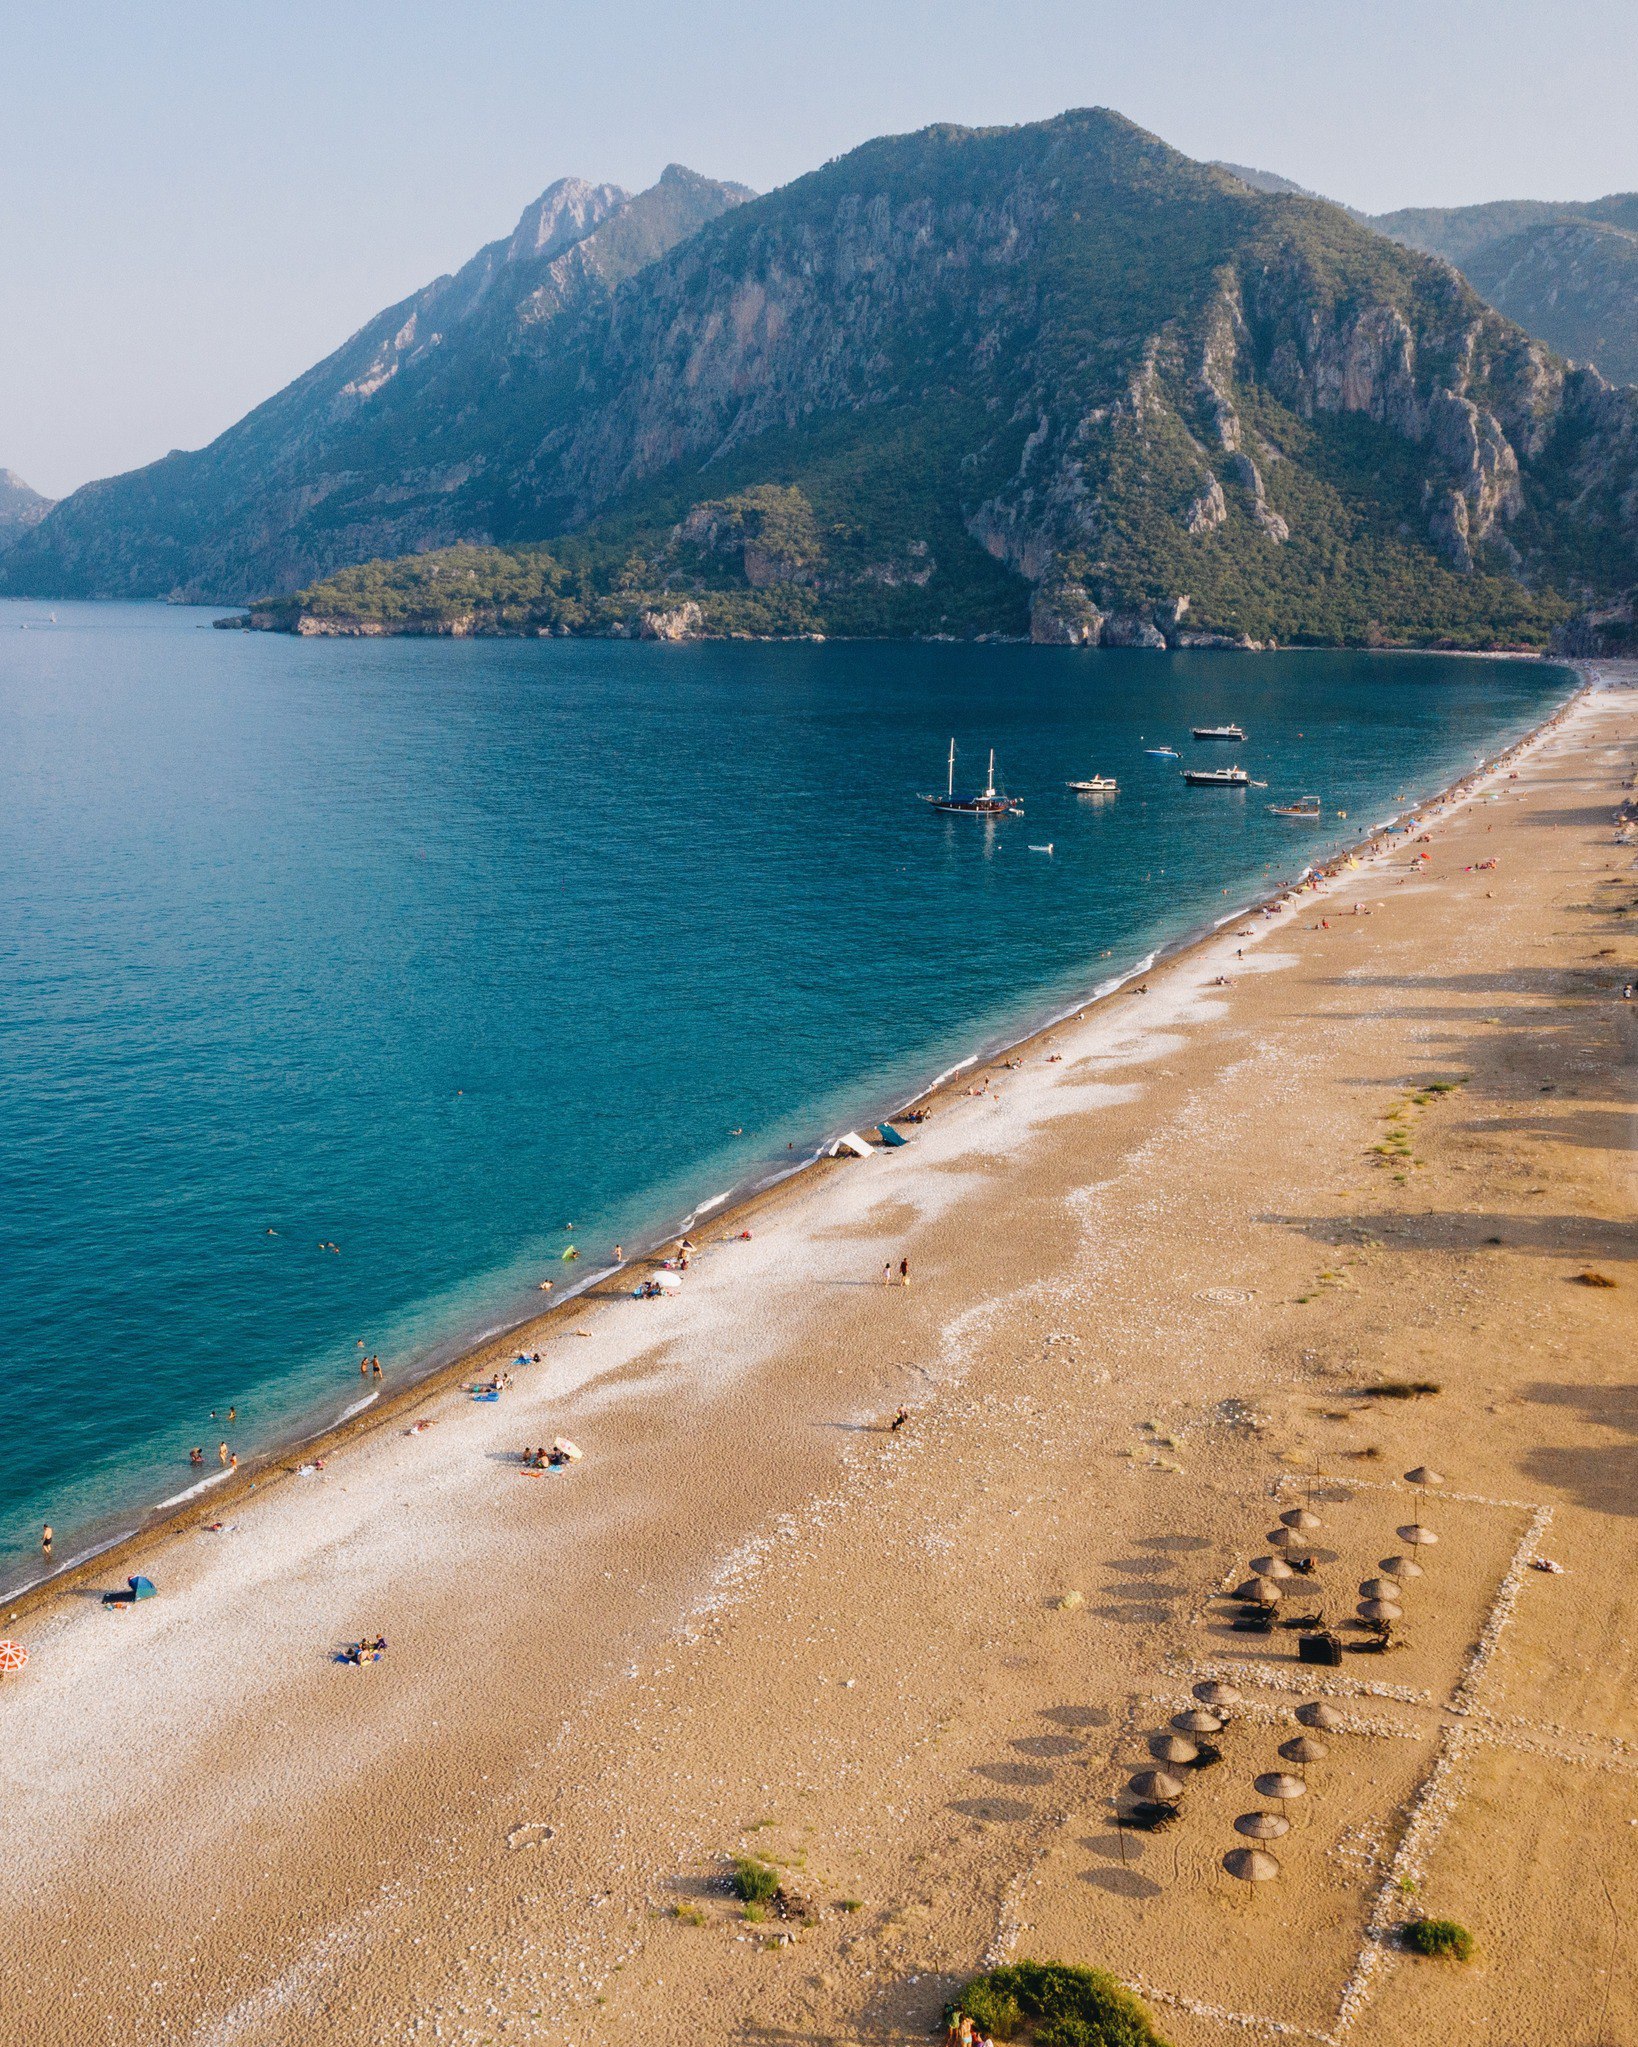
(1158,1261)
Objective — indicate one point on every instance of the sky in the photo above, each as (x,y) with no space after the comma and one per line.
(204,197)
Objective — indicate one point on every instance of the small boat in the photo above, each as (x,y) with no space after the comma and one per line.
(1163,753)
(1217,778)
(1217,732)
(988,804)
(1305,806)
(1094,785)
(1047,848)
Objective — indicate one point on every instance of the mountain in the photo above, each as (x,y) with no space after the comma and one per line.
(371,451)
(1055,379)
(20,508)
(1567,272)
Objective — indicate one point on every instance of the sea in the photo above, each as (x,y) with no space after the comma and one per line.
(345,985)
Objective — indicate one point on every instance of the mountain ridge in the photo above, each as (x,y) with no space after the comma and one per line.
(1056,378)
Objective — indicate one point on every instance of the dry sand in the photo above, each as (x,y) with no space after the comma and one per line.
(1155,1268)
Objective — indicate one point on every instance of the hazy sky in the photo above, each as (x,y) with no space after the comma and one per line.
(202,197)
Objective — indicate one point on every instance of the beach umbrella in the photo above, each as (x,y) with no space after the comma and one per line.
(1173,1748)
(1271,1567)
(1381,1588)
(1326,1718)
(1262,1826)
(1280,1784)
(1380,1610)
(1251,1865)
(1304,1750)
(1301,1517)
(12,1658)
(1289,1542)
(1215,1693)
(1198,1722)
(1157,1784)
(1418,1536)
(1423,1477)
(1401,1567)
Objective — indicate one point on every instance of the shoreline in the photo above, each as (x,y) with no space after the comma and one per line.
(472,1352)
(1166,1272)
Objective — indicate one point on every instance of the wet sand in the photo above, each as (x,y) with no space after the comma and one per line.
(755,1620)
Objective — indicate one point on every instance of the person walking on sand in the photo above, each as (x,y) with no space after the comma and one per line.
(904,1272)
(887,1273)
(899,1421)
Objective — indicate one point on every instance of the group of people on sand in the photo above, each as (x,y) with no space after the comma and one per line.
(965,2032)
(370,1650)
(544,1459)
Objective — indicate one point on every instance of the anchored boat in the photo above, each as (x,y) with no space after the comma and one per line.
(1094,785)
(1217,778)
(1217,732)
(1305,806)
(989,804)
(1163,753)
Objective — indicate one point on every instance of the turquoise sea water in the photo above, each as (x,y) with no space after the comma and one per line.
(426,949)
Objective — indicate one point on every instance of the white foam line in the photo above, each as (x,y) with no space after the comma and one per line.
(176,1499)
(716,1201)
(358,1407)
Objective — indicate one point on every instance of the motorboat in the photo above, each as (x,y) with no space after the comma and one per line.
(1305,806)
(1218,732)
(1217,778)
(1163,753)
(1094,785)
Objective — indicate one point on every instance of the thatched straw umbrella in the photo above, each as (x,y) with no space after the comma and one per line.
(1262,1826)
(1198,1722)
(1422,1478)
(1214,1692)
(1381,1588)
(1290,1542)
(1404,1568)
(1251,1865)
(1173,1748)
(1380,1610)
(1418,1536)
(1271,1567)
(1326,1718)
(1258,1592)
(1303,1750)
(1301,1517)
(1159,1785)
(1280,1784)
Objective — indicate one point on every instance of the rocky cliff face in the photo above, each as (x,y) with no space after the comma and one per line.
(1567,273)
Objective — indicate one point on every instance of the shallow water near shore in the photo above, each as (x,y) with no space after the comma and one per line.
(424,950)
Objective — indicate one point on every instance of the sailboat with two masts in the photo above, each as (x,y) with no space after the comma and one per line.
(988,804)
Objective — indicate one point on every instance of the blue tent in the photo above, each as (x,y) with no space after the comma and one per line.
(890,1136)
(141,1588)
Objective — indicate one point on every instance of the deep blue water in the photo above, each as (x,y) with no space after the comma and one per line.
(427,949)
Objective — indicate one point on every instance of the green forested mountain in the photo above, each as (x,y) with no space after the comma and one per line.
(1056,379)
(1565,272)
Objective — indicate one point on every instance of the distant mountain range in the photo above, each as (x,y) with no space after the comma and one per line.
(1568,273)
(1056,379)
(20,508)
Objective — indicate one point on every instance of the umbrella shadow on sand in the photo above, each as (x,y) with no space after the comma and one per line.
(1604,1476)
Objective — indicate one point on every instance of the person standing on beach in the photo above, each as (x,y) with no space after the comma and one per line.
(887,1273)
(904,1272)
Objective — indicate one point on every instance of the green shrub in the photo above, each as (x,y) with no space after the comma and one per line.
(753,1881)
(1053,2005)
(1441,1940)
